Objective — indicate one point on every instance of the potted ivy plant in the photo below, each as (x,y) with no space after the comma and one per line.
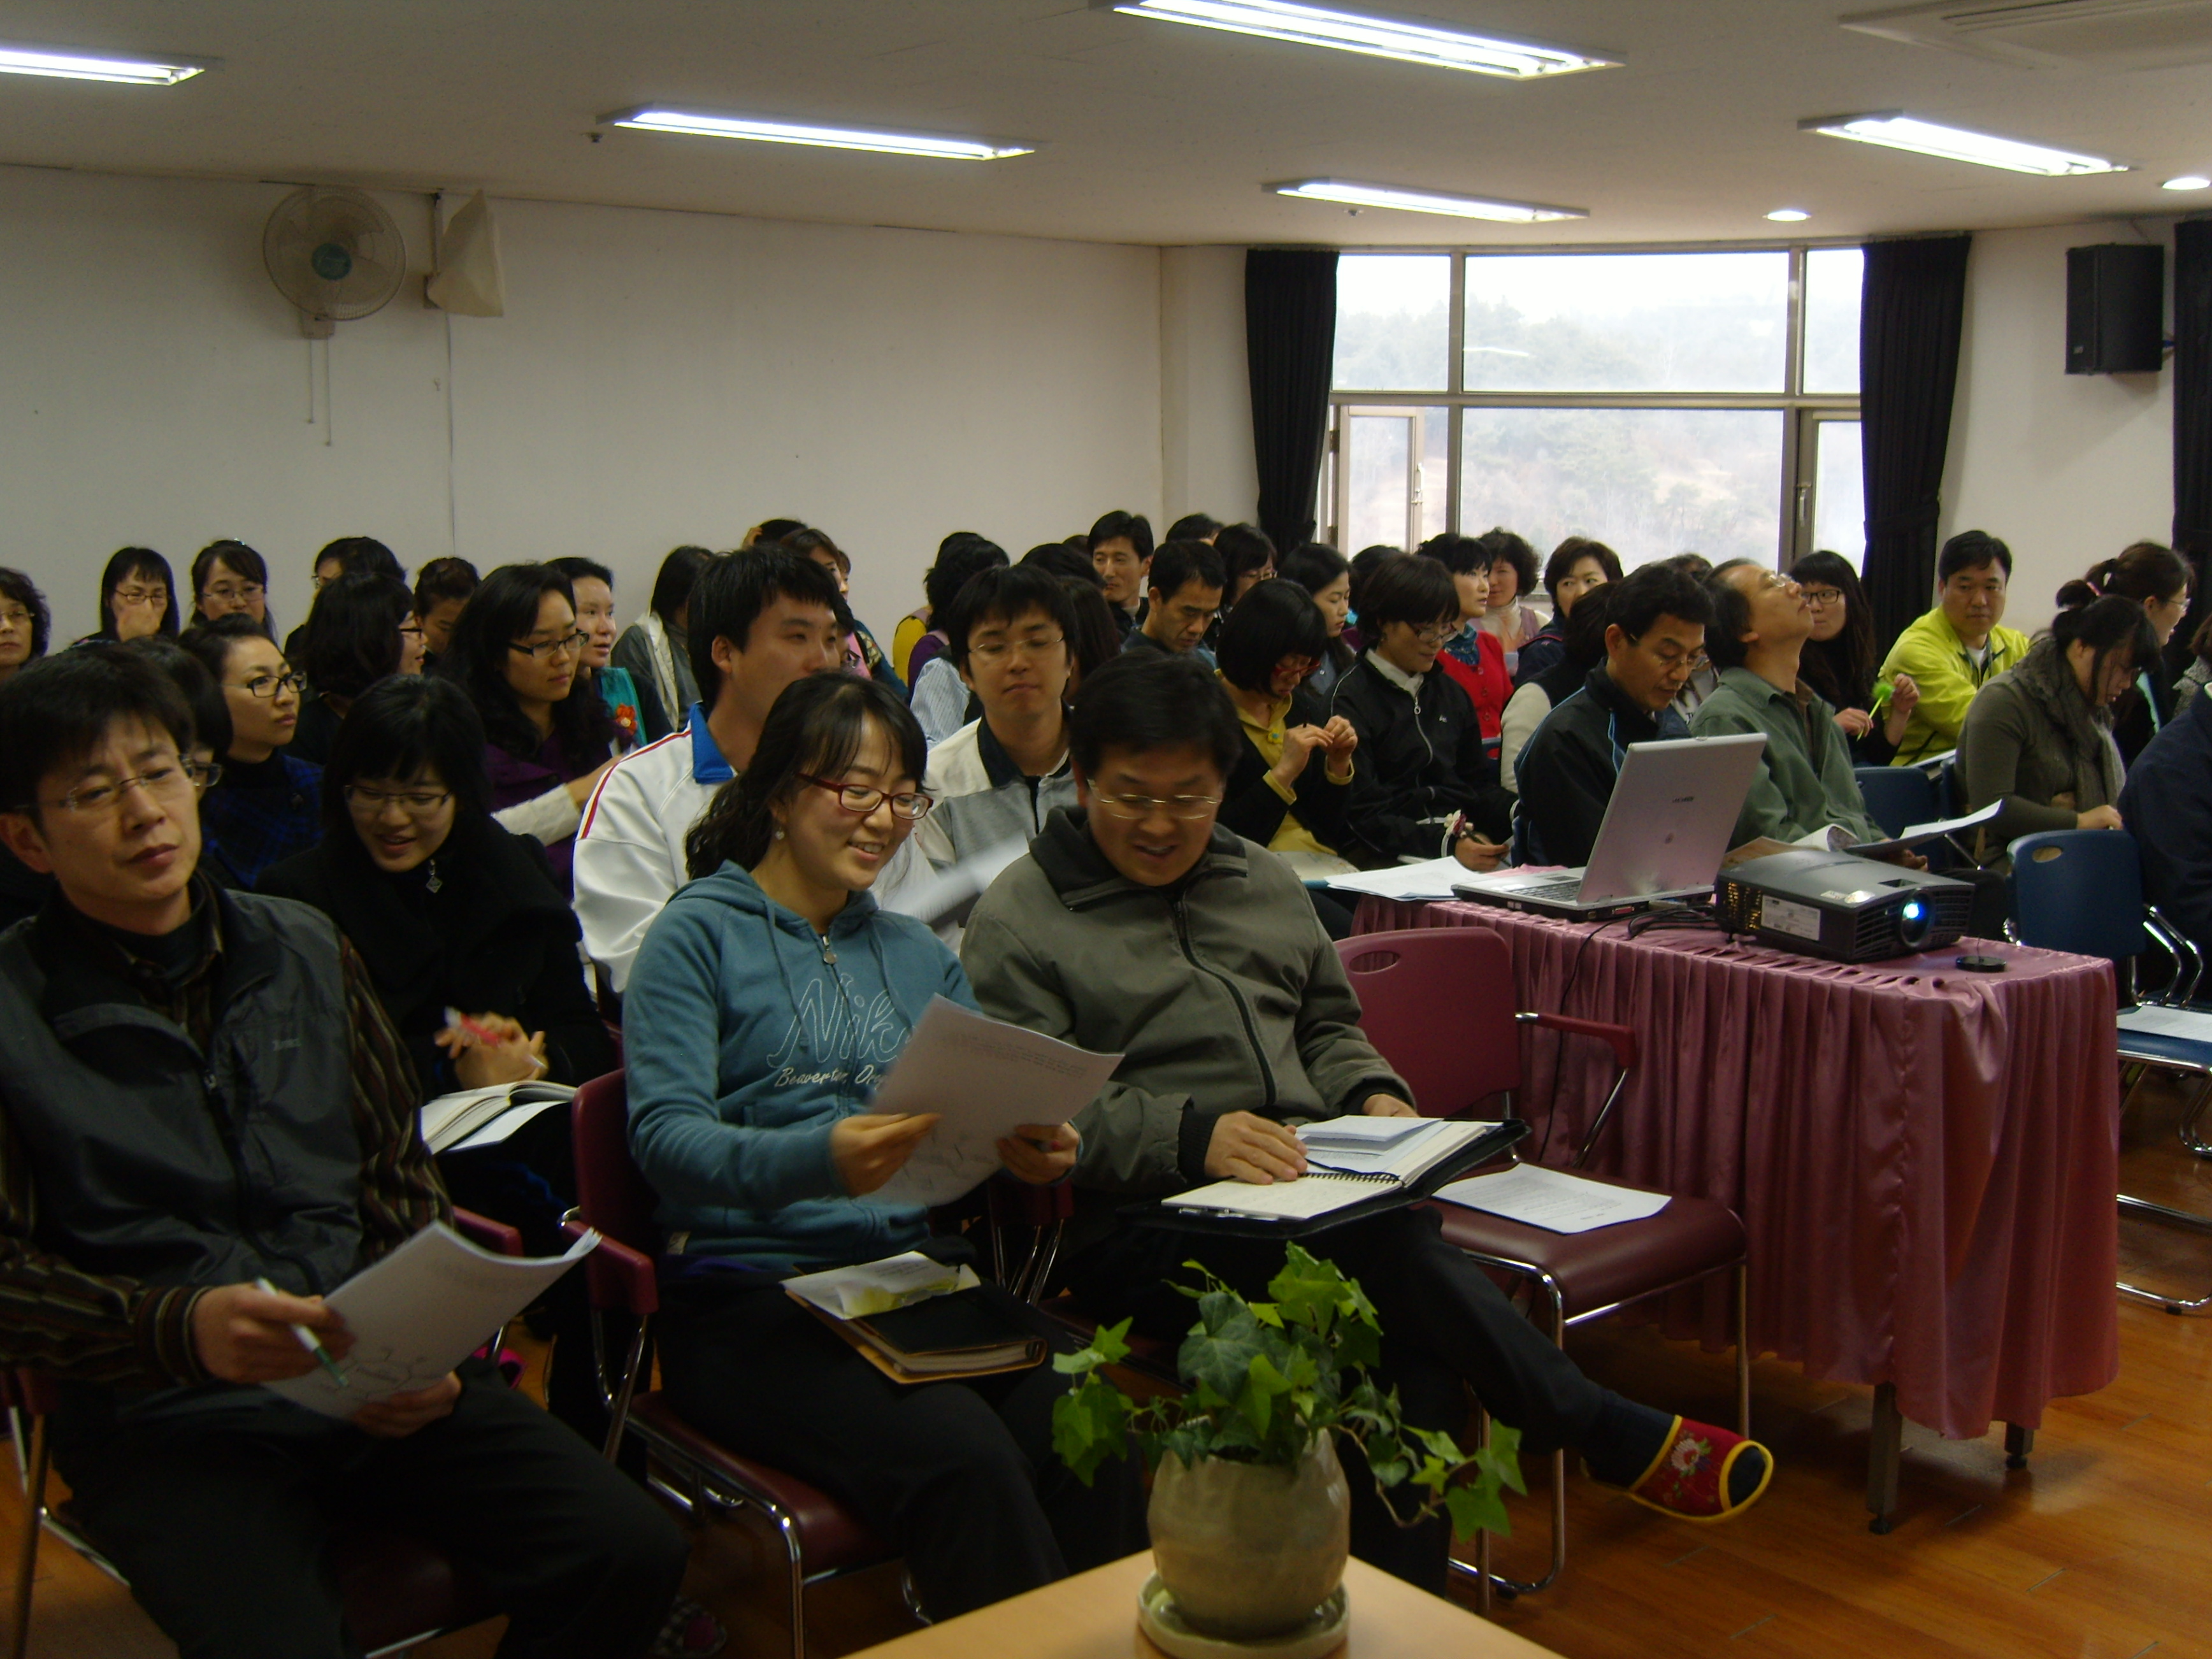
(1249,1510)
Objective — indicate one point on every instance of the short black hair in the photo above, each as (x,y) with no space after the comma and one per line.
(1313,566)
(15,585)
(1244,548)
(1416,592)
(1690,565)
(1096,640)
(353,632)
(442,579)
(1275,619)
(1584,634)
(212,641)
(1972,549)
(1460,554)
(959,556)
(358,553)
(1650,591)
(203,695)
(1193,527)
(1143,701)
(805,540)
(1512,548)
(1062,560)
(775,530)
(1006,593)
(55,712)
(1364,564)
(1724,641)
(734,589)
(237,557)
(672,587)
(1177,564)
(579,569)
(396,728)
(144,564)
(1571,552)
(1134,527)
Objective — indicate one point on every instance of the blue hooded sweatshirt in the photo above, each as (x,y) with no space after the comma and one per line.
(746,1037)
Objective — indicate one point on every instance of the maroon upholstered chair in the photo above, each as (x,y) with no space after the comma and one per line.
(1438,1004)
(821,1539)
(398,1591)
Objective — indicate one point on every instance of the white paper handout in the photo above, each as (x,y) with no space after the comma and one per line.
(1431,879)
(1916,833)
(419,1311)
(1340,1172)
(1552,1199)
(2153,1021)
(987,1078)
(868,1288)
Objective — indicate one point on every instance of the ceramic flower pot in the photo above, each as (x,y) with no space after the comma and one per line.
(1247,1549)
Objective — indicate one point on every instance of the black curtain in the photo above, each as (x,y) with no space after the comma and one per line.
(1910,312)
(2192,420)
(1290,338)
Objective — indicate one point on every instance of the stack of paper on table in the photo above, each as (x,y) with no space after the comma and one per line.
(1347,1163)
(1432,880)
(1553,1199)
(2189,1023)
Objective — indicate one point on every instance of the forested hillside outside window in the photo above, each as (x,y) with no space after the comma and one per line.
(1662,403)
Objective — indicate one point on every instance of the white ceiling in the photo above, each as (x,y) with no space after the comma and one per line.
(1147,132)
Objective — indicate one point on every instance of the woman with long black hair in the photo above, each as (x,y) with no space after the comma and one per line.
(137,597)
(362,629)
(1839,660)
(518,652)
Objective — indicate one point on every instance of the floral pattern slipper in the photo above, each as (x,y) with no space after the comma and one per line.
(1691,1477)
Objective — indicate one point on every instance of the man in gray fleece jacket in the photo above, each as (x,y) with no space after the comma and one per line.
(1136,924)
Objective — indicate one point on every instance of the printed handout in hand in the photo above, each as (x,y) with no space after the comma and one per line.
(985,1078)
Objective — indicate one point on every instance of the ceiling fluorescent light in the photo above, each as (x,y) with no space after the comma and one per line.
(651,117)
(2187,181)
(1422,201)
(1374,36)
(1896,130)
(1789,216)
(83,66)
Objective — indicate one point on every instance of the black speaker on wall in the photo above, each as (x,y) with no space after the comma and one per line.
(2115,308)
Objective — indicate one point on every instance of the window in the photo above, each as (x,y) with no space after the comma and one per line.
(1661,402)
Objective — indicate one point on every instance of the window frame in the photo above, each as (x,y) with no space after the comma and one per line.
(1801,410)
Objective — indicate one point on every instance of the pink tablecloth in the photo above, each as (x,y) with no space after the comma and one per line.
(1925,1159)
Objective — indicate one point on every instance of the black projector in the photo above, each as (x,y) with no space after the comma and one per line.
(1846,908)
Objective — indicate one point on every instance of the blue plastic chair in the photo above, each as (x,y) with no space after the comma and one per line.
(2082,890)
(1897,795)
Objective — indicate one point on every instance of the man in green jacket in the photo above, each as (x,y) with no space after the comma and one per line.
(1955,649)
(1136,924)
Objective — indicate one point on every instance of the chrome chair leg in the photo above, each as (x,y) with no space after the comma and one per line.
(34,1512)
(2172,1217)
(1884,1445)
(1744,1349)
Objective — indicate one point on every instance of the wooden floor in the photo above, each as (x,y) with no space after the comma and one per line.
(2101,1549)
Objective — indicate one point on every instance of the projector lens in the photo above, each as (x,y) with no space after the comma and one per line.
(1915,921)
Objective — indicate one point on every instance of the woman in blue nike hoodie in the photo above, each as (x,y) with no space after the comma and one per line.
(768,999)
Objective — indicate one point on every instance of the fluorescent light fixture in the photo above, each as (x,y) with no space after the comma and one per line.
(2187,181)
(1789,216)
(1897,131)
(652,118)
(1374,36)
(1423,201)
(84,66)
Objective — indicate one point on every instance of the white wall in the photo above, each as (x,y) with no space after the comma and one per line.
(2068,469)
(1205,400)
(658,378)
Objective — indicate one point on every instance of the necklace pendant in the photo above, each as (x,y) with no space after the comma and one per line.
(434,884)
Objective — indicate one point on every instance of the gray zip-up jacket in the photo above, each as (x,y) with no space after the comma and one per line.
(1222,990)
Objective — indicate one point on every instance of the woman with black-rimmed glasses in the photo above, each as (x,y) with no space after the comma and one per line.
(265,808)
(229,578)
(518,651)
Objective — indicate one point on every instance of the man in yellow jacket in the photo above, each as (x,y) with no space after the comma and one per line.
(1955,649)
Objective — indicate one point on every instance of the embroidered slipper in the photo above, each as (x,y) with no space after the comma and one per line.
(1696,1470)
(692,1632)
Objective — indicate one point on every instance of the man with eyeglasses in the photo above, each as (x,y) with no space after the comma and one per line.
(998,778)
(1654,640)
(202,1095)
(1137,925)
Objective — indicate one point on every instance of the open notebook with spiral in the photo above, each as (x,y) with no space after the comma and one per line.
(1355,1166)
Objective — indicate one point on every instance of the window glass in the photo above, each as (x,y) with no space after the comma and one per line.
(1394,322)
(1624,322)
(1839,492)
(1395,462)
(1832,319)
(1648,483)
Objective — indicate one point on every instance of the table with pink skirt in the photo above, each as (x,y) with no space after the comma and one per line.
(1925,1158)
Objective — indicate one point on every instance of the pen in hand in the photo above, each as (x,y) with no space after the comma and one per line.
(309,1340)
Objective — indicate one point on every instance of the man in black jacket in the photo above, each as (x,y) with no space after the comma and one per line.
(1654,640)
(1425,787)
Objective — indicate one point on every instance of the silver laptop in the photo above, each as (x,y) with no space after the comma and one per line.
(1674,805)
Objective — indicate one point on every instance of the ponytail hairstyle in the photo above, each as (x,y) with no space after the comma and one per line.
(2143,572)
(815,728)
(2109,625)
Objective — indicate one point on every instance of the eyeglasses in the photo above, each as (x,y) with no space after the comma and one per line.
(244,593)
(1031,646)
(1185,809)
(1696,663)
(1823,597)
(415,628)
(1435,637)
(142,596)
(269,685)
(171,780)
(15,617)
(562,647)
(416,803)
(859,799)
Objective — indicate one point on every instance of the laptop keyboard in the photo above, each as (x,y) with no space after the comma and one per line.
(1552,890)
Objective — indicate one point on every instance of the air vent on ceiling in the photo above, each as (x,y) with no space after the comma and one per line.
(2095,34)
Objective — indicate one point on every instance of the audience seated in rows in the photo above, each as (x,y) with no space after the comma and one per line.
(265,805)
(594,584)
(959,556)
(1292,778)
(655,649)
(1326,574)
(1121,552)
(1955,649)
(1425,787)
(2161,582)
(1138,925)
(1186,582)
(1839,658)
(442,590)
(131,1253)
(361,629)
(1473,655)
(347,555)
(1654,640)
(1512,578)
(1577,566)
(746,1069)
(229,578)
(1247,558)
(758,621)
(138,598)
(1529,704)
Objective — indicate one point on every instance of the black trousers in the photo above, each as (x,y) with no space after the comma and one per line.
(219,1513)
(960,1476)
(1444,1324)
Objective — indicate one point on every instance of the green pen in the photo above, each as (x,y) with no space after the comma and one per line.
(309,1340)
